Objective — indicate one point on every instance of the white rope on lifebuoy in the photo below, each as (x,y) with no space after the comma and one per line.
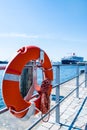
(31,111)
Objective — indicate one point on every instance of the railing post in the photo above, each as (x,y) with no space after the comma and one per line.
(58,93)
(77,81)
(85,75)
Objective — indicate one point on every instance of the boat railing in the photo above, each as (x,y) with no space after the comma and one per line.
(56,107)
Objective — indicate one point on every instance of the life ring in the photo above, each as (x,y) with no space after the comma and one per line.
(10,85)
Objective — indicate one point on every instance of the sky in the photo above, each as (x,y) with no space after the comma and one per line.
(59,27)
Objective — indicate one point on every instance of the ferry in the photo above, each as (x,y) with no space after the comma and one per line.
(73,59)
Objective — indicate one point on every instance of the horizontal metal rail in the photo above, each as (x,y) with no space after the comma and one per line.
(67,81)
(70,127)
(3,110)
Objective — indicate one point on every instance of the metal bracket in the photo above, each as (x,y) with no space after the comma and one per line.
(42,56)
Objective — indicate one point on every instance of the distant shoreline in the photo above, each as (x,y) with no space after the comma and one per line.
(3,62)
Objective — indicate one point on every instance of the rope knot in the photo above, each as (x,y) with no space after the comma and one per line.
(45,100)
(45,86)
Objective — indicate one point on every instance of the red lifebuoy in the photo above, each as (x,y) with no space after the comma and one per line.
(10,86)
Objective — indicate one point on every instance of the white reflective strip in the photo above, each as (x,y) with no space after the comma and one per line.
(11,77)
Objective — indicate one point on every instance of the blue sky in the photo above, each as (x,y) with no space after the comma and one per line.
(57,26)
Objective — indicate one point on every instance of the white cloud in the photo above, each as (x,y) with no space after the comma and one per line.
(53,36)
(17,35)
(24,35)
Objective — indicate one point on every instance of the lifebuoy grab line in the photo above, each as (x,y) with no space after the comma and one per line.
(32,106)
(11,80)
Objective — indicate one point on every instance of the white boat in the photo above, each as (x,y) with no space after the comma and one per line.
(73,59)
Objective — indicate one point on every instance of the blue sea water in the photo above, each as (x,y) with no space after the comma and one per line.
(1,97)
(66,73)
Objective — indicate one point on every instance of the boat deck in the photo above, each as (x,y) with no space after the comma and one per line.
(73,112)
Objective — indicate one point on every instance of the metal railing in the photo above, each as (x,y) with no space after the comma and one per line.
(56,107)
